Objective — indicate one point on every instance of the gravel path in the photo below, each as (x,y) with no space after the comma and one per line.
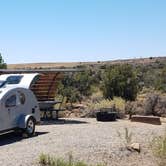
(88,140)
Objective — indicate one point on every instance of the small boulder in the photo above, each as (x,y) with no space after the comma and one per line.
(134,147)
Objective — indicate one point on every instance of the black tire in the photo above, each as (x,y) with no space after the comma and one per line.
(30,127)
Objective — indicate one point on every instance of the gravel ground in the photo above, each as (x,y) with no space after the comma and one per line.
(88,140)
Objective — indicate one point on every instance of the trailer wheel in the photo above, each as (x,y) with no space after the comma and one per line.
(30,126)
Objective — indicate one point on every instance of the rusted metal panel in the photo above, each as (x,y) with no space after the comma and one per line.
(45,87)
(146,119)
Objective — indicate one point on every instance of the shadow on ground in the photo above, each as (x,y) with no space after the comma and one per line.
(12,137)
(62,122)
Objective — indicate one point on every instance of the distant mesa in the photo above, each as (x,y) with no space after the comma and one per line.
(62,65)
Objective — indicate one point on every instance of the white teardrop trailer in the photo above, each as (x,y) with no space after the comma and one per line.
(19,109)
(23,93)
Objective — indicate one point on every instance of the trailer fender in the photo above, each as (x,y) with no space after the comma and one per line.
(23,120)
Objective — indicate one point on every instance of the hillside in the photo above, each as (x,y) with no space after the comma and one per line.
(140,61)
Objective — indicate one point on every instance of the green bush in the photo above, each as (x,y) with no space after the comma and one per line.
(76,86)
(120,80)
(3,65)
(161,81)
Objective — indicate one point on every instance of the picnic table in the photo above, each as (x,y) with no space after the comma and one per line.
(47,108)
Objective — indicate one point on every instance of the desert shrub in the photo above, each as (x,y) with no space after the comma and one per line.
(159,149)
(150,76)
(82,81)
(136,107)
(160,107)
(150,104)
(129,109)
(120,80)
(142,94)
(161,81)
(106,103)
(70,93)
(147,104)
(154,104)
(97,95)
(117,104)
(126,136)
(76,86)
(47,160)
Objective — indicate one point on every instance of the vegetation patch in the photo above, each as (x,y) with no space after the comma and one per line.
(159,149)
(138,86)
(47,160)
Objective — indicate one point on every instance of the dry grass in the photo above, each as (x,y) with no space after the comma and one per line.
(127,136)
(41,65)
(47,160)
(118,102)
(97,94)
(159,149)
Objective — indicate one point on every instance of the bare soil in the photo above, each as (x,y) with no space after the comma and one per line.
(88,140)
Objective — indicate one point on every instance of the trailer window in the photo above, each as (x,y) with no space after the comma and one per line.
(14,79)
(21,98)
(2,83)
(11,101)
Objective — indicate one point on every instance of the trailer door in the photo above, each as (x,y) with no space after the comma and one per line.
(10,108)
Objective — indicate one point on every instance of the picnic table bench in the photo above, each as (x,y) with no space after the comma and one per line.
(47,108)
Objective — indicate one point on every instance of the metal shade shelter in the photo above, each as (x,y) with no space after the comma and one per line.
(43,82)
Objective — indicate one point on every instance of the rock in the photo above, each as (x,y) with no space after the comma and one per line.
(134,147)
(81,106)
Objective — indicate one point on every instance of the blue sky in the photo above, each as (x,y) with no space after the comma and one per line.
(81,30)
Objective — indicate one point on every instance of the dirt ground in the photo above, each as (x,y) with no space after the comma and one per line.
(86,139)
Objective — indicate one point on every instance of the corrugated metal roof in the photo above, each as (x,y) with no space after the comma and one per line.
(14,71)
(44,86)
